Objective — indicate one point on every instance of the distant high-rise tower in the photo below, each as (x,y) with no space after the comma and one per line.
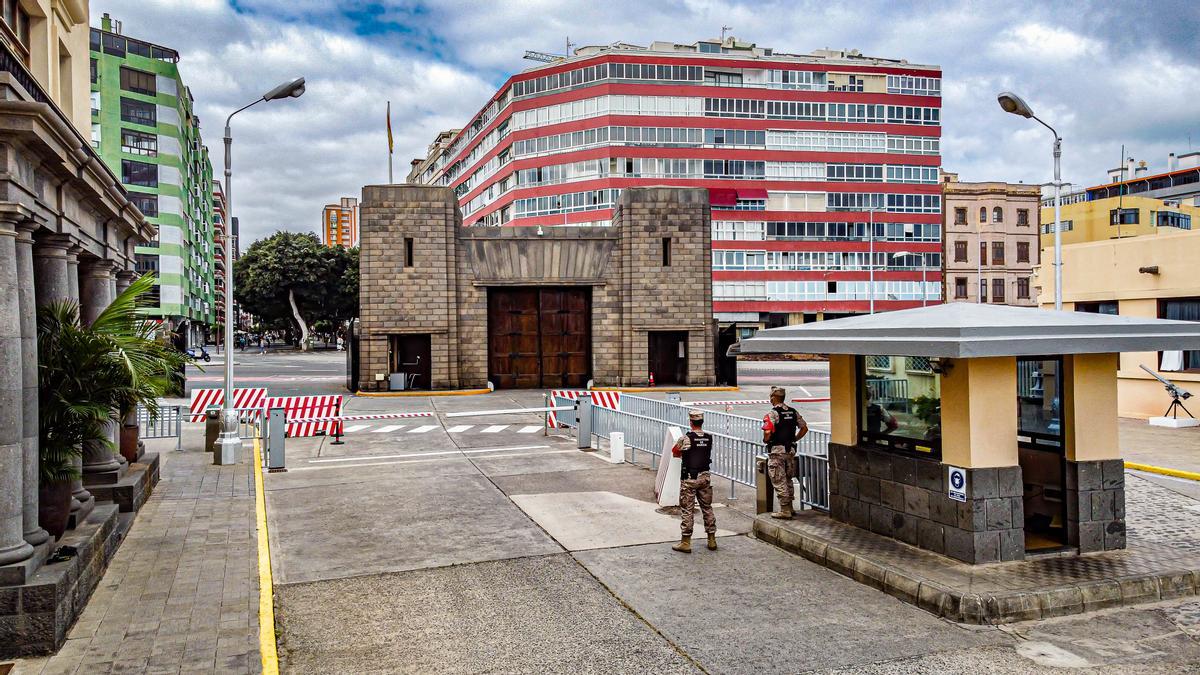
(339,223)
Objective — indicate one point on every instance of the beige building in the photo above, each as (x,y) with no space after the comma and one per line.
(990,241)
(1116,218)
(1149,277)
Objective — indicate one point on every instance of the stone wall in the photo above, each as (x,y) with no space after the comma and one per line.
(905,498)
(1096,505)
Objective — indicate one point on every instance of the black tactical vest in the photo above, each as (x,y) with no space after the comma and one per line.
(697,458)
(785,428)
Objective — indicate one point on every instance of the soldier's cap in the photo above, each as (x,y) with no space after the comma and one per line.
(779,391)
(696,415)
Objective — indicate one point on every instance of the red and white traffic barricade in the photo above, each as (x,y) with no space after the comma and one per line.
(244,400)
(604,399)
(310,415)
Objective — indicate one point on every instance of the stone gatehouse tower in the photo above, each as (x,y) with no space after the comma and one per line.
(449,307)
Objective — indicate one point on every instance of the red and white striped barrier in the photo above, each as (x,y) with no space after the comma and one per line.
(360,418)
(243,399)
(604,399)
(762,401)
(300,409)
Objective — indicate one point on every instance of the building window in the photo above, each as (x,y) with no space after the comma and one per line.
(1023,288)
(997,215)
(114,44)
(901,412)
(1022,251)
(960,215)
(879,362)
(666,252)
(409,258)
(960,287)
(960,251)
(16,23)
(138,112)
(1064,226)
(139,173)
(1023,217)
(983,214)
(137,81)
(1112,308)
(1180,310)
(997,253)
(997,290)
(146,263)
(1172,219)
(1123,217)
(146,203)
(983,253)
(983,290)
(94,73)
(139,143)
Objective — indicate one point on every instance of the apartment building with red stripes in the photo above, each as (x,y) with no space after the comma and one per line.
(822,168)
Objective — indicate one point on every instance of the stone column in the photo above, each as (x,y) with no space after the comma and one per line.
(34,534)
(95,288)
(55,271)
(13,547)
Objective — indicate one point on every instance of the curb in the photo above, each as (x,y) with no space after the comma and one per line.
(266,585)
(402,394)
(664,388)
(1174,473)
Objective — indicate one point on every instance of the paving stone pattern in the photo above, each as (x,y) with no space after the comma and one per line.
(181,594)
(1160,515)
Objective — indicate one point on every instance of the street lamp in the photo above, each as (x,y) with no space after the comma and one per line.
(1011,103)
(871,253)
(903,254)
(229,443)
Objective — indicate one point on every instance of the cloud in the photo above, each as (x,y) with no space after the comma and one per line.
(1122,76)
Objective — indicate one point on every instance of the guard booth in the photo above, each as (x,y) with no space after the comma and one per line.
(982,432)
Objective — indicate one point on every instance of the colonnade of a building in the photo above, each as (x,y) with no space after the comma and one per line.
(38,268)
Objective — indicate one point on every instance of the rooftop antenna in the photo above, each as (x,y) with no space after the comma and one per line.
(724,29)
(569,46)
(545,57)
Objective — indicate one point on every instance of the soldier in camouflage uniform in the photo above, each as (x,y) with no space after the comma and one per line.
(695,448)
(782,427)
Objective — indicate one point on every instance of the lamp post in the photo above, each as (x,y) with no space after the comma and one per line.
(228,443)
(1011,103)
(902,254)
(871,258)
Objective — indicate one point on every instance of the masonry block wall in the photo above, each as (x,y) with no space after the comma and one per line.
(659,297)
(399,299)
(1096,505)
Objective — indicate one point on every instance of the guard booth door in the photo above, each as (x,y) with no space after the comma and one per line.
(1041,452)
(410,354)
(668,356)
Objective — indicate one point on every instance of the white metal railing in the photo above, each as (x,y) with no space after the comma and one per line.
(166,423)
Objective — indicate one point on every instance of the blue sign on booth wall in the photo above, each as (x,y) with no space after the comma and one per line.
(956,484)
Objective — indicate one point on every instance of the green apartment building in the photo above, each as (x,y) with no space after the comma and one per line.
(145,128)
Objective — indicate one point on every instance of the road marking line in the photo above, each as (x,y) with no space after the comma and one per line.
(426,454)
(459,428)
(423,429)
(806,392)
(495,428)
(436,459)
(356,427)
(387,429)
(531,429)
(269,657)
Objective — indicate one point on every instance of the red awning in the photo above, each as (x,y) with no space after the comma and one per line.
(751,193)
(723,197)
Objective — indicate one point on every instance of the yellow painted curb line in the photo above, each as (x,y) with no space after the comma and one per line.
(1190,475)
(266,588)
(636,390)
(398,394)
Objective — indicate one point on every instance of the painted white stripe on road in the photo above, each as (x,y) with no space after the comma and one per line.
(356,427)
(387,429)
(495,428)
(531,429)
(425,428)
(459,428)
(426,454)
(437,459)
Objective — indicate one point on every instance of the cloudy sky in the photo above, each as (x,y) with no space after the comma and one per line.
(1105,73)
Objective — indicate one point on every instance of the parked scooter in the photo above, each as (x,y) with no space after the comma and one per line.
(200,353)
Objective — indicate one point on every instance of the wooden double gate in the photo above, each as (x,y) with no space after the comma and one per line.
(539,338)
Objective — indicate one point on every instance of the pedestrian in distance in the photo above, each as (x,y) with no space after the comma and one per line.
(695,486)
(782,427)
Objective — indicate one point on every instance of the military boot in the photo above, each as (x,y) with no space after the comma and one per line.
(784,513)
(712,542)
(684,545)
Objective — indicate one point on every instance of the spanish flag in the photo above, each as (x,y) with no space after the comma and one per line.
(391,145)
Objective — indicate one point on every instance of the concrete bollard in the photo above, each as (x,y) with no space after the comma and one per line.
(616,447)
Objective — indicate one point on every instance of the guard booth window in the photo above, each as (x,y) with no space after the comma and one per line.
(900,404)
(1040,448)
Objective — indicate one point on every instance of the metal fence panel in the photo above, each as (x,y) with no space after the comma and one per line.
(168,423)
(565,417)
(738,426)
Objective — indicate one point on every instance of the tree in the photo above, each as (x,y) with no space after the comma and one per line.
(290,275)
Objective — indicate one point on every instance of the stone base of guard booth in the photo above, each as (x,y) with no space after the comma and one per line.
(1096,505)
(906,498)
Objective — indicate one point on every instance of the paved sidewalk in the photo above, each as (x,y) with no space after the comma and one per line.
(181,594)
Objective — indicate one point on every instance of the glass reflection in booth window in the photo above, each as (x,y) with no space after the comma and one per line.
(900,404)
(1039,403)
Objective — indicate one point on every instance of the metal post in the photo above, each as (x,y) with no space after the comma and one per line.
(871,259)
(1058,220)
(546,415)
(924,290)
(229,443)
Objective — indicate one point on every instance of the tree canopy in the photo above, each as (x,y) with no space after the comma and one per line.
(292,276)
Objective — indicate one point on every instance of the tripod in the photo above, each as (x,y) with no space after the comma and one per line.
(1173,409)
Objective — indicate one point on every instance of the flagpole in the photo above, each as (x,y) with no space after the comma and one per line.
(391,180)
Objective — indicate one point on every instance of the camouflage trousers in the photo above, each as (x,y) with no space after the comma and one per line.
(697,489)
(781,469)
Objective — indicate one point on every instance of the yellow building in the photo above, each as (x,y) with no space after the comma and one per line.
(1146,277)
(1098,220)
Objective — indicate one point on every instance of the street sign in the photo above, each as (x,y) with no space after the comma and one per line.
(956,484)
